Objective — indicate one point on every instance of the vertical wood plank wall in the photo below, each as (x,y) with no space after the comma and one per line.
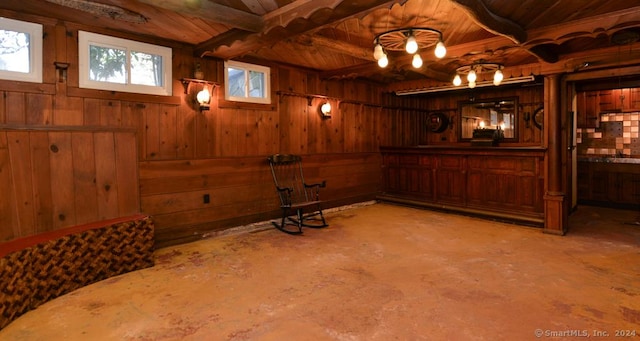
(57,178)
(183,154)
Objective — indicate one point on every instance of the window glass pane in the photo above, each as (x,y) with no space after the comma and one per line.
(115,64)
(14,51)
(107,64)
(256,84)
(247,82)
(236,82)
(146,69)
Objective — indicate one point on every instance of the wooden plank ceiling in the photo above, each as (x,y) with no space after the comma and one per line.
(336,36)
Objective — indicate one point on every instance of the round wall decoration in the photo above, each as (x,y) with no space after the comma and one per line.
(538,117)
(438,122)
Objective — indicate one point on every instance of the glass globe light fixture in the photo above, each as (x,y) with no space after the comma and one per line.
(417,61)
(378,52)
(384,61)
(497,77)
(204,97)
(471,77)
(457,80)
(411,45)
(325,109)
(440,51)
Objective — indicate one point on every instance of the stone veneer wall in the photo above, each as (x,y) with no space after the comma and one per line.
(618,135)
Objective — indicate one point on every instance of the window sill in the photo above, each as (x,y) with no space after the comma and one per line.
(28,87)
(123,96)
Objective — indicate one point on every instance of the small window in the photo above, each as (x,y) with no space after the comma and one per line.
(20,51)
(247,82)
(109,63)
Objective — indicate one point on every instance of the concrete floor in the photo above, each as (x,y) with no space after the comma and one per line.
(379,272)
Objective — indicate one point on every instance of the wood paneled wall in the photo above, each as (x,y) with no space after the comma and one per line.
(184,154)
(57,178)
(530,98)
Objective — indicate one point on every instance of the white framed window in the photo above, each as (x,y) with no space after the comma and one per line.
(20,51)
(109,63)
(247,82)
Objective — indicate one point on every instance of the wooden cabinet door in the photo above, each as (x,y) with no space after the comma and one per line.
(584,181)
(624,99)
(591,110)
(602,182)
(629,188)
(615,100)
(581,107)
(634,99)
(451,180)
(606,100)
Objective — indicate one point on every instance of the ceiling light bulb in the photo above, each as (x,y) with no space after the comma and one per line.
(440,51)
(411,45)
(472,84)
(457,80)
(471,77)
(384,61)
(417,61)
(497,77)
(378,52)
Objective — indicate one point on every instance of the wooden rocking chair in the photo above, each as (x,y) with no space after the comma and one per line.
(299,201)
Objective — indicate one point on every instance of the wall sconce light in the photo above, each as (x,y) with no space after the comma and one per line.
(204,98)
(410,40)
(325,109)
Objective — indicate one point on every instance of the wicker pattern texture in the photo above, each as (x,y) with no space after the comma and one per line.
(39,273)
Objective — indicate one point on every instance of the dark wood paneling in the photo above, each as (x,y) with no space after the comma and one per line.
(529,99)
(506,183)
(609,184)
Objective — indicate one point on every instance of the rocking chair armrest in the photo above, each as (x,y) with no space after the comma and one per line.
(323,184)
(284,189)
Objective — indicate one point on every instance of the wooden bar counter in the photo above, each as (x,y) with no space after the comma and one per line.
(503,183)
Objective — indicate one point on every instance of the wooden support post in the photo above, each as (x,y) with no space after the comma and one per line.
(555,215)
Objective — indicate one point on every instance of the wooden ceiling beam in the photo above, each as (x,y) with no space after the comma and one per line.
(587,27)
(486,19)
(324,43)
(495,24)
(540,40)
(283,16)
(278,21)
(210,11)
(373,68)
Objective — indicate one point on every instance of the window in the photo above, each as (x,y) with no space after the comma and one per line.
(109,63)
(247,82)
(20,51)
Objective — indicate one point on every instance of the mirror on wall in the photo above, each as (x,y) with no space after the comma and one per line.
(489,114)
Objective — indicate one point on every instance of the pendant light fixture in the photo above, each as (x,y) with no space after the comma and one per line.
(411,40)
(474,70)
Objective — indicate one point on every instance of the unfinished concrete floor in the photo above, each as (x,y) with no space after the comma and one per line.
(379,272)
